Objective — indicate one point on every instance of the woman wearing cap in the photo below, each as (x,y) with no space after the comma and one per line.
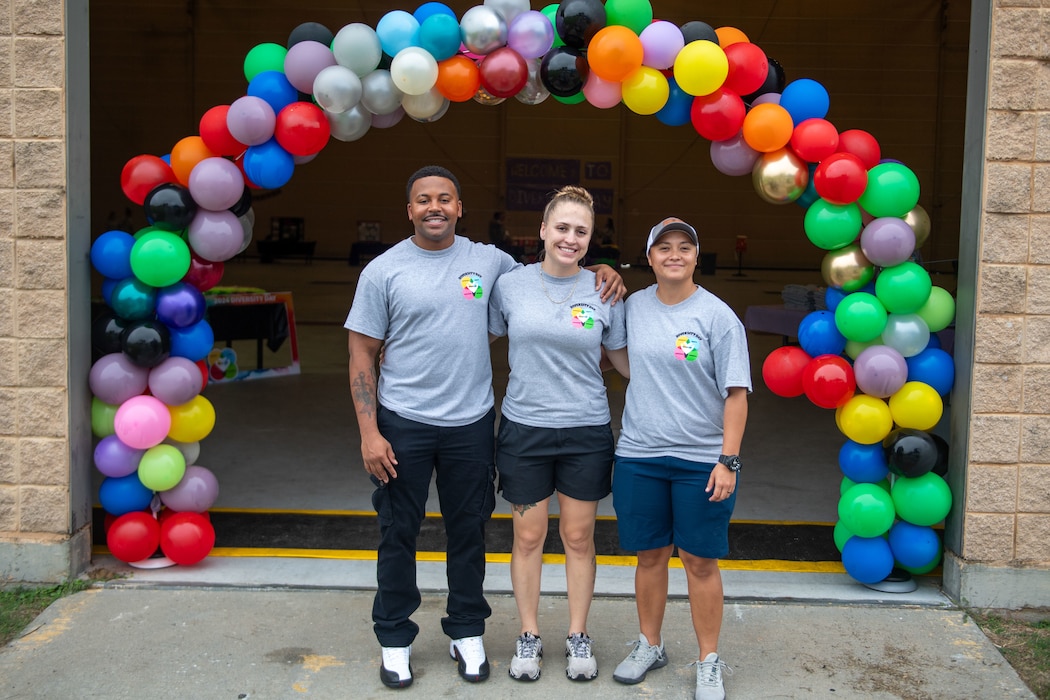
(677,458)
(555,433)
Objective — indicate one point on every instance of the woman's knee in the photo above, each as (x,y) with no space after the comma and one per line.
(579,540)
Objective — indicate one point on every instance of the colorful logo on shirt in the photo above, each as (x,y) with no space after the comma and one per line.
(686,346)
(471,284)
(582,317)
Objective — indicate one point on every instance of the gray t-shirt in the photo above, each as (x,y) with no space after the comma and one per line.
(684,358)
(554,349)
(431,309)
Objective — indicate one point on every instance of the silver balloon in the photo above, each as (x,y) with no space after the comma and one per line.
(337,89)
(380,95)
(484,98)
(247,220)
(357,47)
(483,29)
(351,124)
(919,221)
(534,91)
(780,177)
(908,334)
(191,451)
(508,8)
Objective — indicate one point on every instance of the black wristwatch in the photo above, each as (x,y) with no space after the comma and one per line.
(732,462)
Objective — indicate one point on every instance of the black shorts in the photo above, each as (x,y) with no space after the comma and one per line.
(533,463)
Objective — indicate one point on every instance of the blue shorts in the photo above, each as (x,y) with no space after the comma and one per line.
(533,463)
(661,501)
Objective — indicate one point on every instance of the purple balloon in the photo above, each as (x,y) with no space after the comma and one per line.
(880,371)
(772,98)
(661,42)
(251,120)
(887,241)
(114,378)
(304,61)
(216,183)
(175,381)
(733,156)
(180,305)
(385,121)
(215,235)
(196,492)
(114,458)
(531,34)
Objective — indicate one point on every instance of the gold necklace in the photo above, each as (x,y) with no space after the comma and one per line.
(539,271)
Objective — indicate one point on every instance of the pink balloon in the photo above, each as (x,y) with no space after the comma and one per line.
(114,378)
(603,94)
(175,381)
(661,42)
(142,422)
(251,120)
(196,492)
(216,183)
(733,156)
(304,61)
(215,235)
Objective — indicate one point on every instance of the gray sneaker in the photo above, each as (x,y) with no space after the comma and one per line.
(709,678)
(642,659)
(580,662)
(525,664)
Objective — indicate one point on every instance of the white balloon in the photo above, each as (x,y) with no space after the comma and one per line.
(337,89)
(357,47)
(426,106)
(414,71)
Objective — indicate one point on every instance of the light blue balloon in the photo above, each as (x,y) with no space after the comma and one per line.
(397,30)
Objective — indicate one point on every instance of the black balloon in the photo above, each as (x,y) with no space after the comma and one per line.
(311,31)
(775,81)
(146,343)
(577,21)
(564,71)
(243,204)
(910,452)
(941,468)
(170,207)
(699,31)
(106,332)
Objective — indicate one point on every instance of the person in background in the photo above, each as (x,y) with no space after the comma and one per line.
(677,459)
(555,433)
(425,303)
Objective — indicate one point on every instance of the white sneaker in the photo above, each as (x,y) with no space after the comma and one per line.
(470,653)
(580,662)
(396,671)
(709,684)
(644,657)
(525,664)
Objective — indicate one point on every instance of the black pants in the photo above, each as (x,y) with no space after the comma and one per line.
(463,458)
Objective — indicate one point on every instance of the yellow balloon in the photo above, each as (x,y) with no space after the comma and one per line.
(192,421)
(701,67)
(865,419)
(916,405)
(645,91)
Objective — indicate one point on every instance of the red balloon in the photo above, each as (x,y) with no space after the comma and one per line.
(302,129)
(828,381)
(239,161)
(133,536)
(815,139)
(718,116)
(861,144)
(503,72)
(216,135)
(203,274)
(141,174)
(782,370)
(840,178)
(202,365)
(186,537)
(748,68)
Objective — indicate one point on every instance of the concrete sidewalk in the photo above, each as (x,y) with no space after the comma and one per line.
(131,640)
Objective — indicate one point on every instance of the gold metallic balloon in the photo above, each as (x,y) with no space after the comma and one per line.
(847,268)
(919,221)
(780,177)
(483,97)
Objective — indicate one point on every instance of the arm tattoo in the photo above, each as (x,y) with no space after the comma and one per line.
(363,388)
(520,508)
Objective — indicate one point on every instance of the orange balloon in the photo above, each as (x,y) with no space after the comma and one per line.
(767,127)
(458,78)
(185,155)
(730,35)
(614,53)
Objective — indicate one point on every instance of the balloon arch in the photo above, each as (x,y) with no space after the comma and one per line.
(872,355)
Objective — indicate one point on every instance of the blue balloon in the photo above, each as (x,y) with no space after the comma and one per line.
(268,165)
(676,111)
(397,30)
(123,494)
(810,194)
(914,546)
(107,291)
(833,296)
(935,342)
(429,9)
(867,559)
(440,36)
(863,464)
(193,342)
(166,158)
(111,254)
(932,366)
(805,99)
(273,87)
(818,334)
(132,299)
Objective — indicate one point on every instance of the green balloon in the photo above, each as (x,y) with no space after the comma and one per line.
(636,15)
(925,569)
(160,258)
(162,467)
(841,535)
(551,13)
(893,190)
(860,317)
(264,57)
(904,288)
(102,415)
(571,99)
(939,309)
(866,510)
(856,347)
(923,500)
(832,226)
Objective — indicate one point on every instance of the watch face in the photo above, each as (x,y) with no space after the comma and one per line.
(732,462)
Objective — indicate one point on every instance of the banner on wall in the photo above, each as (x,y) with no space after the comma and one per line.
(531,181)
(254,336)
